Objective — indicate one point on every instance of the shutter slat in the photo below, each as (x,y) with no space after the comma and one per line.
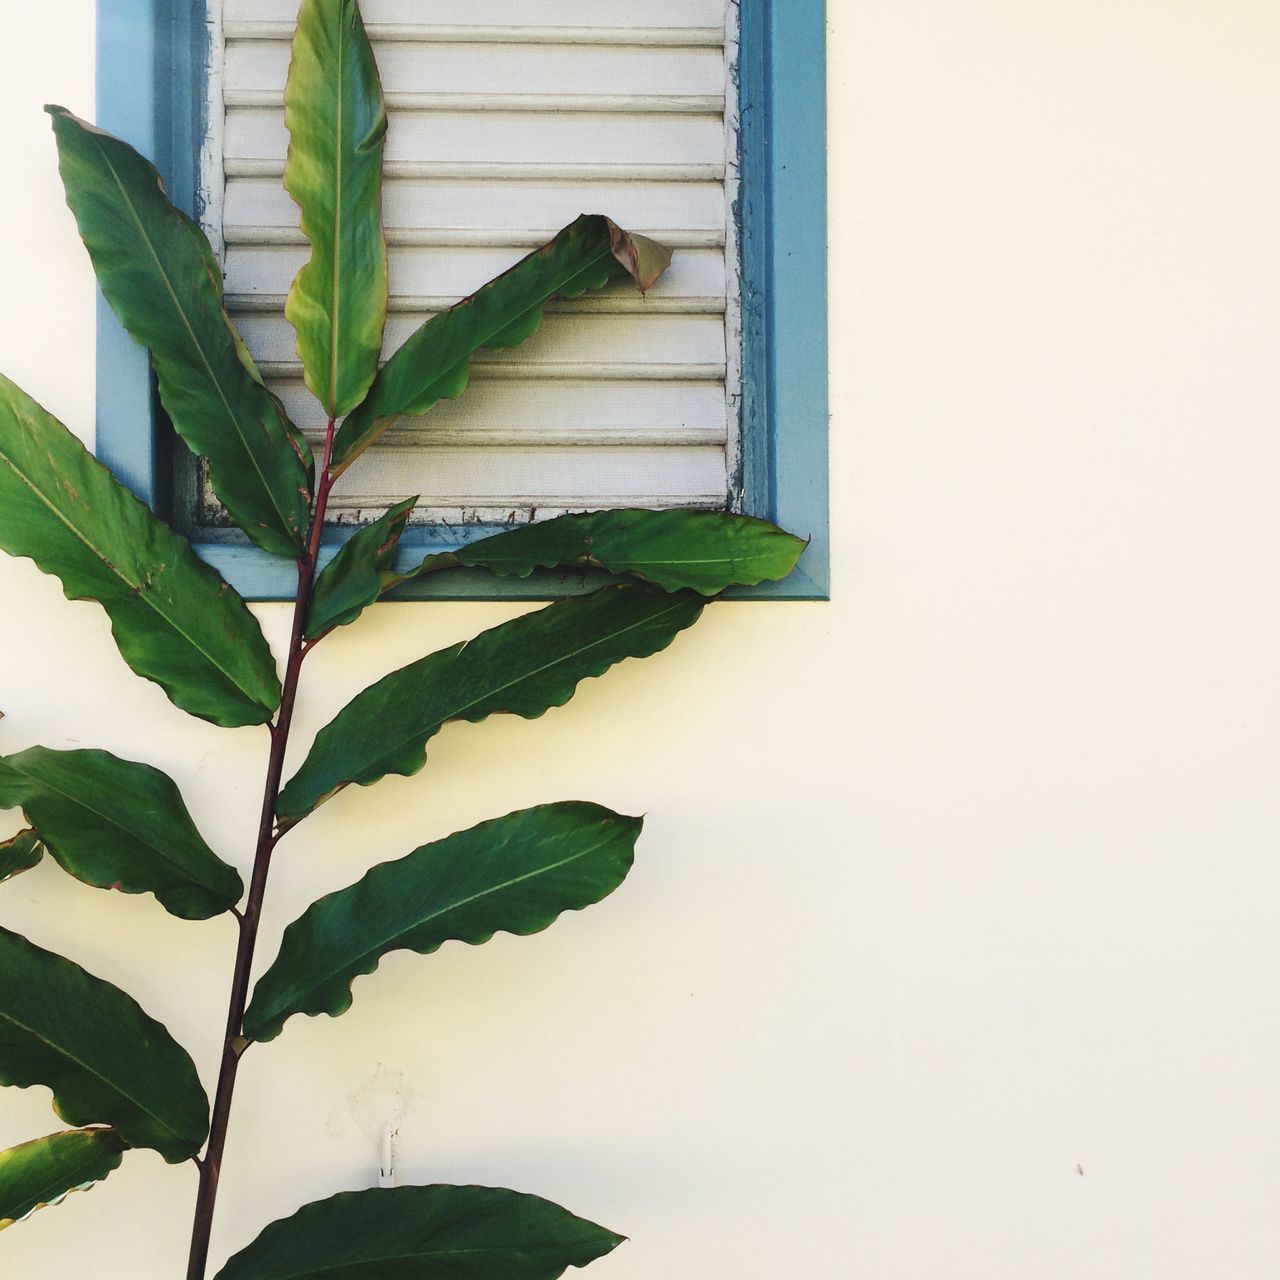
(501,138)
(607,411)
(467,237)
(487,13)
(568,103)
(415,207)
(442,171)
(494,477)
(491,70)
(429,435)
(451,512)
(410,32)
(454,272)
(614,370)
(628,303)
(562,339)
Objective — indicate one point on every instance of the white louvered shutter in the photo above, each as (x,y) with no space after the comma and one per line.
(508,118)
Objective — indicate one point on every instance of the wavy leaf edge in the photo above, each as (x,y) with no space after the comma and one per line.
(373,958)
(271,513)
(475,556)
(237,704)
(417,759)
(110,1162)
(21,852)
(190,893)
(243,1266)
(138,1122)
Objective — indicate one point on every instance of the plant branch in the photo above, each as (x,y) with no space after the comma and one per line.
(234,1043)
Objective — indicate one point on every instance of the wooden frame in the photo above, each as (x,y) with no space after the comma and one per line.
(152,65)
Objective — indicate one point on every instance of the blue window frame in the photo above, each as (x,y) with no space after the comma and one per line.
(151,61)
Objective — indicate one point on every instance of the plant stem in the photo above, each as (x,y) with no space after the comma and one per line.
(234,1043)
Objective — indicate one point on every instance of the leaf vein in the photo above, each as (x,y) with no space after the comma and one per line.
(214,380)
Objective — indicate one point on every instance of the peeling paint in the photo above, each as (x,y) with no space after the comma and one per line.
(377,1110)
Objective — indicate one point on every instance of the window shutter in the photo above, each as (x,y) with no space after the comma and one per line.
(508,119)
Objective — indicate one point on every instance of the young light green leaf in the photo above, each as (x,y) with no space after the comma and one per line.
(704,551)
(358,574)
(160,276)
(174,619)
(106,1061)
(524,667)
(514,875)
(434,364)
(424,1233)
(20,853)
(337,124)
(116,824)
(40,1174)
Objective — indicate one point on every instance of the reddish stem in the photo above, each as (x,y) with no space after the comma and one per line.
(234,1043)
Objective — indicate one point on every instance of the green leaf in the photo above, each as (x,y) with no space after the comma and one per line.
(704,551)
(161,278)
(116,824)
(434,364)
(43,1173)
(524,667)
(514,875)
(337,124)
(424,1233)
(359,573)
(176,622)
(19,854)
(106,1061)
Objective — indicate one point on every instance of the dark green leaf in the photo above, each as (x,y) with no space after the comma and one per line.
(359,573)
(42,1173)
(424,1233)
(176,622)
(523,667)
(514,875)
(116,824)
(106,1061)
(20,854)
(434,364)
(705,551)
(337,124)
(160,276)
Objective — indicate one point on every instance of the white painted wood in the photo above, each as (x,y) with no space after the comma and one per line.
(509,118)
(210,178)
(733,317)
(409,33)
(626,104)
(500,138)
(450,512)
(425,433)
(525,238)
(598,302)
(592,408)
(585,340)
(453,272)
(564,477)
(465,171)
(408,205)
(523,13)
(521,370)
(495,70)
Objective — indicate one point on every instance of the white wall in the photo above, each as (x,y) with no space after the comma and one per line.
(952,947)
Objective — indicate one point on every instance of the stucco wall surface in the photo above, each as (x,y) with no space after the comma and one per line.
(951,949)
